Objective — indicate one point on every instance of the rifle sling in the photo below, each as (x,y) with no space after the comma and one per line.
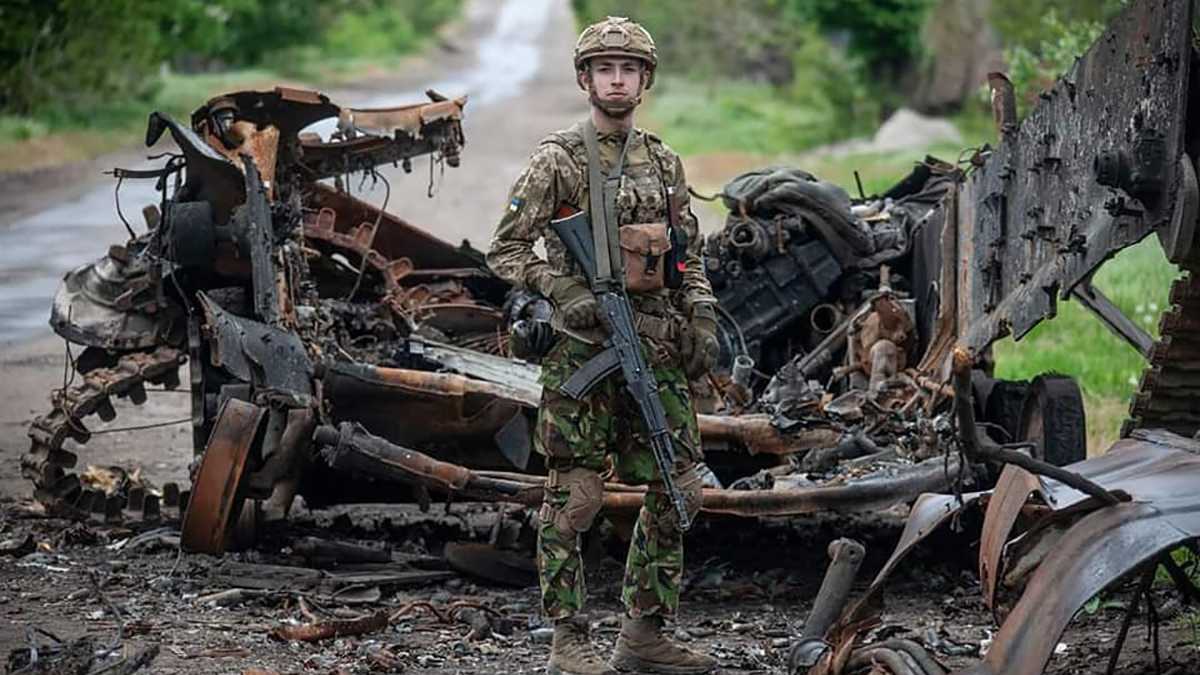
(602,203)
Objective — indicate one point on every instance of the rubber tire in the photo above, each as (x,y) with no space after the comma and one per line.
(1054,415)
(1003,408)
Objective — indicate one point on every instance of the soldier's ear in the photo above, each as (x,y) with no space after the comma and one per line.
(583,77)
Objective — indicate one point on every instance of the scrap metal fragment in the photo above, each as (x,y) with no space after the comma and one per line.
(216,494)
(491,564)
(324,551)
(326,630)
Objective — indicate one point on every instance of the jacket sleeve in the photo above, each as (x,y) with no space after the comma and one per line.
(696,289)
(536,194)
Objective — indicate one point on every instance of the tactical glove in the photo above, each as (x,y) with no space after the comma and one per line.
(575,302)
(699,348)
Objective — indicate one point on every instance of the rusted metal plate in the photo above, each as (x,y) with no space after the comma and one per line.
(1010,496)
(215,494)
(1099,549)
(408,119)
(1043,218)
(395,239)
(255,352)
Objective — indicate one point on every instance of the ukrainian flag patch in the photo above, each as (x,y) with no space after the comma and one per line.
(516,204)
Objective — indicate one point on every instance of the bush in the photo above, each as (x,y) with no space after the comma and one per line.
(17,128)
(81,61)
(1034,69)
(63,53)
(1022,24)
(885,34)
(750,40)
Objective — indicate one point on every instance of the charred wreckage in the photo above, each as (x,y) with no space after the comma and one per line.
(339,353)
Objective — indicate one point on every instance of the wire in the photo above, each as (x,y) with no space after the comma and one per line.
(738,329)
(141,427)
(117,198)
(362,266)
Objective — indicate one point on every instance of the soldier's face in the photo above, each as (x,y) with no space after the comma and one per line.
(617,79)
(614,84)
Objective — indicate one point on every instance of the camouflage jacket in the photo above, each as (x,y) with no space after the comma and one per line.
(556,175)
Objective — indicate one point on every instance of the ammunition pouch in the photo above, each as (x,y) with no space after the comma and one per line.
(644,247)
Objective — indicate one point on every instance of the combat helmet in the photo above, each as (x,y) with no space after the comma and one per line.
(617,36)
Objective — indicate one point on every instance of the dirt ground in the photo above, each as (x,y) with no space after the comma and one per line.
(106,582)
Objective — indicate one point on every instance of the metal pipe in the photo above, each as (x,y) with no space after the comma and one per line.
(759,436)
(825,318)
(845,557)
(352,449)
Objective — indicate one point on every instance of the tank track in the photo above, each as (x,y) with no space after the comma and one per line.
(48,465)
(1170,386)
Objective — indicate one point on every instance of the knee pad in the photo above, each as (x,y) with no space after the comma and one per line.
(585,497)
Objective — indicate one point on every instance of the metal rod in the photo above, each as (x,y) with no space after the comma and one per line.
(978,447)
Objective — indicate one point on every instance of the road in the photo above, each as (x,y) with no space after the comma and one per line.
(513,61)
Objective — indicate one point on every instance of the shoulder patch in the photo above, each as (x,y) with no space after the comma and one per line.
(515,205)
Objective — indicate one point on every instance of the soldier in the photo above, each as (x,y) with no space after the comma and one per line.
(615,61)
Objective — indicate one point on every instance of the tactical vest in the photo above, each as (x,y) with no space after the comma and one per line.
(641,198)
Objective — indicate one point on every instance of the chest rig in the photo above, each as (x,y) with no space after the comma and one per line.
(638,240)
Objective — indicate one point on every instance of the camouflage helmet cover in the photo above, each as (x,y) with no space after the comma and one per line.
(617,36)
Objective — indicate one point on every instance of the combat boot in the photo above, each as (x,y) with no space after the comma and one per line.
(571,652)
(643,648)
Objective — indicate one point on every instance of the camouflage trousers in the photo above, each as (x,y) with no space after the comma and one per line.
(602,434)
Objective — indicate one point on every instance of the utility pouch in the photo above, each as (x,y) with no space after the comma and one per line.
(676,258)
(644,249)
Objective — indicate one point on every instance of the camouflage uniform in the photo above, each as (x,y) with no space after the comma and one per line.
(582,439)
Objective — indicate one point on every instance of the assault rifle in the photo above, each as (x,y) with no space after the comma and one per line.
(622,350)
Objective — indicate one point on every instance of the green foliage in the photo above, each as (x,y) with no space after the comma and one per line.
(71,63)
(884,33)
(64,52)
(1021,23)
(1034,69)
(18,128)
(728,115)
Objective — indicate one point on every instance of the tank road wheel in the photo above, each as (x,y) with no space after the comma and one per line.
(217,492)
(1053,418)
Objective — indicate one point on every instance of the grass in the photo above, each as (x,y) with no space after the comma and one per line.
(1074,343)
(723,115)
(1137,280)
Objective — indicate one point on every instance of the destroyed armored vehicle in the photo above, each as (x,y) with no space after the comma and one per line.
(337,352)
(1106,159)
